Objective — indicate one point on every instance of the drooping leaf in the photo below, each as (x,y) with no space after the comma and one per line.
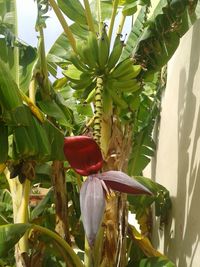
(160,196)
(159,40)
(27,59)
(10,235)
(52,109)
(143,242)
(56,139)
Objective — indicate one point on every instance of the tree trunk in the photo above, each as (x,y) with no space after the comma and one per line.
(60,193)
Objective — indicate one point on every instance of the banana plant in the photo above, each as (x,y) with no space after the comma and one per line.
(107,103)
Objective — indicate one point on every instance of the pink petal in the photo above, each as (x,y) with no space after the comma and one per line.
(92,204)
(121,182)
(83,154)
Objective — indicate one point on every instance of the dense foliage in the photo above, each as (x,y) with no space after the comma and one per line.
(110,91)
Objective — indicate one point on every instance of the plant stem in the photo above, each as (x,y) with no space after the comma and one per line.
(16,49)
(64,24)
(44,81)
(98,110)
(113,16)
(24,214)
(121,23)
(77,262)
(89,16)
(60,194)
(99,15)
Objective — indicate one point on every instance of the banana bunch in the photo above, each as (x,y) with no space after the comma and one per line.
(31,142)
(89,62)
(123,77)
(95,58)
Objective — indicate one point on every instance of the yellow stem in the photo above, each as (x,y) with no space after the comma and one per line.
(24,216)
(121,24)
(64,24)
(69,251)
(99,15)
(112,21)
(89,16)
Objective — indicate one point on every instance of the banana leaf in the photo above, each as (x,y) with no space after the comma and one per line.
(160,38)
(10,235)
(8,29)
(134,35)
(74,10)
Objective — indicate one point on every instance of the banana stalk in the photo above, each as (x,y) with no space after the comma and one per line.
(64,24)
(98,110)
(113,16)
(89,16)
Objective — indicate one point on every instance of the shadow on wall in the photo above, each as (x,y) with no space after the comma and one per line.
(182,247)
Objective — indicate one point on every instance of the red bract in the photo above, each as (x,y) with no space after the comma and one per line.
(83,154)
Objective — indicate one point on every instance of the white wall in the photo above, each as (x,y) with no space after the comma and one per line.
(177,163)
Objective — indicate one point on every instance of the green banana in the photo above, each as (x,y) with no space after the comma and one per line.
(90,96)
(103,49)
(125,86)
(116,52)
(44,146)
(3,142)
(117,98)
(122,68)
(25,142)
(74,59)
(93,48)
(85,54)
(73,74)
(134,72)
(82,84)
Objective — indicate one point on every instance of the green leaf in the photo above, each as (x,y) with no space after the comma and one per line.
(160,196)
(74,10)
(106,9)
(52,109)
(134,35)
(9,92)
(37,211)
(129,9)
(10,235)
(27,59)
(143,149)
(56,139)
(9,53)
(159,40)
(154,262)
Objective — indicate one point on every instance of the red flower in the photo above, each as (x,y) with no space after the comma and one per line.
(83,154)
(85,158)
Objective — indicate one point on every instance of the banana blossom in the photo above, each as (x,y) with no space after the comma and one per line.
(84,156)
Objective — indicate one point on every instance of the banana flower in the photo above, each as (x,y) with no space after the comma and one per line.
(84,156)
